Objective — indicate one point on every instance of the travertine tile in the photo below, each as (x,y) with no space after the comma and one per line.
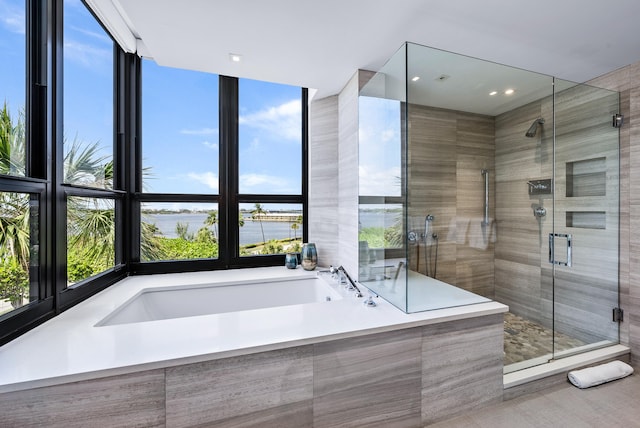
(134,400)
(275,387)
(368,381)
(454,378)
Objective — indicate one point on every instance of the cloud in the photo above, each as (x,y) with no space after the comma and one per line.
(98,36)
(201,131)
(210,145)
(283,121)
(86,55)
(12,18)
(209,179)
(379,182)
(265,183)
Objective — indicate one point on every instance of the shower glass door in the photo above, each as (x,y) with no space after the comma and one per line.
(584,242)
(480,181)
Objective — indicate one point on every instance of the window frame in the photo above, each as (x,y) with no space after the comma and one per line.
(228,197)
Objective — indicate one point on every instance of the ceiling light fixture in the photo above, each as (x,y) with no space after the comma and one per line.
(492,93)
(415,79)
(509,91)
(235,57)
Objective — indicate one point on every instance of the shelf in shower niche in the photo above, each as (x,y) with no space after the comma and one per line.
(587,177)
(587,219)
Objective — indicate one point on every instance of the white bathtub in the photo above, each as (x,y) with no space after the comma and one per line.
(152,304)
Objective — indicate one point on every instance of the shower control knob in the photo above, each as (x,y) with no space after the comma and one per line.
(412,236)
(540,212)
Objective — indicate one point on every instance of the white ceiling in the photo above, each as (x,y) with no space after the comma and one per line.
(321,43)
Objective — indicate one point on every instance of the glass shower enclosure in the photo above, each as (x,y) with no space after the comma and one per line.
(480,181)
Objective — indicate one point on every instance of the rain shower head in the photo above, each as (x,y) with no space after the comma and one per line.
(534,127)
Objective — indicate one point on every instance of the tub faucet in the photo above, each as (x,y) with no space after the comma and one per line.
(345,276)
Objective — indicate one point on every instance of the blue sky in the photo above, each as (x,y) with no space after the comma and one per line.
(180,111)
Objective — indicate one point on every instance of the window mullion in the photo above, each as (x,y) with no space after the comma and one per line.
(228,176)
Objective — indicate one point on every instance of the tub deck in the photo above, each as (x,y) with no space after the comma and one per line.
(80,351)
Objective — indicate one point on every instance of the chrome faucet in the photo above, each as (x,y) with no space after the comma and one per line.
(344,278)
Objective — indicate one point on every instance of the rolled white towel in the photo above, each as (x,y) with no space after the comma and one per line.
(597,375)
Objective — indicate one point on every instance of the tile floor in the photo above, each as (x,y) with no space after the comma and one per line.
(614,404)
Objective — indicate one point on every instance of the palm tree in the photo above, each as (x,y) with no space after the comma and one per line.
(258,212)
(295,228)
(90,222)
(212,220)
(12,143)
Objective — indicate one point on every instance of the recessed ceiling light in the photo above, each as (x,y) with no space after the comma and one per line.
(235,57)
(493,93)
(415,79)
(509,91)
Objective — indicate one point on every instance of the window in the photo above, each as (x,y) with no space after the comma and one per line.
(180,159)
(90,237)
(270,178)
(92,138)
(88,146)
(270,229)
(12,87)
(21,185)
(19,243)
(221,187)
(270,138)
(178,231)
(179,130)
(88,99)
(380,151)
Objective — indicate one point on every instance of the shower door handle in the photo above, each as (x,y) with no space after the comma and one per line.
(552,238)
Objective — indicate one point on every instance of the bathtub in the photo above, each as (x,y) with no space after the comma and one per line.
(148,322)
(162,303)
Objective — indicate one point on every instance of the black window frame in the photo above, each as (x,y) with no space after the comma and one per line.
(228,197)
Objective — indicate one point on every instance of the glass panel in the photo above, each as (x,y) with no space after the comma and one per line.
(18,250)
(179,130)
(88,99)
(12,88)
(382,210)
(270,138)
(270,229)
(587,211)
(90,237)
(179,231)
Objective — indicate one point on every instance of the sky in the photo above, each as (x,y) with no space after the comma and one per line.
(180,111)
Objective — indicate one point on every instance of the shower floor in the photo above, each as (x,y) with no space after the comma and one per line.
(525,340)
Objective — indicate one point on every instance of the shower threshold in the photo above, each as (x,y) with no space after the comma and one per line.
(560,366)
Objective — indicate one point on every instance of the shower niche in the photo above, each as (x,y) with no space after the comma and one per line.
(450,171)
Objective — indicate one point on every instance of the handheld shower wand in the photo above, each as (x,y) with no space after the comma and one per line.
(427,237)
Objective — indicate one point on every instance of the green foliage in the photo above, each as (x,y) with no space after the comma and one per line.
(272,247)
(180,249)
(379,237)
(78,268)
(296,247)
(182,230)
(14,282)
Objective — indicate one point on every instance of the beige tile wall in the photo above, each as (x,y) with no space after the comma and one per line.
(627,81)
(447,151)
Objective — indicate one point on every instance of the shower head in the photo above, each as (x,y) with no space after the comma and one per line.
(534,127)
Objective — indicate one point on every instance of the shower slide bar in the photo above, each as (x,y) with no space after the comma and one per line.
(485,174)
